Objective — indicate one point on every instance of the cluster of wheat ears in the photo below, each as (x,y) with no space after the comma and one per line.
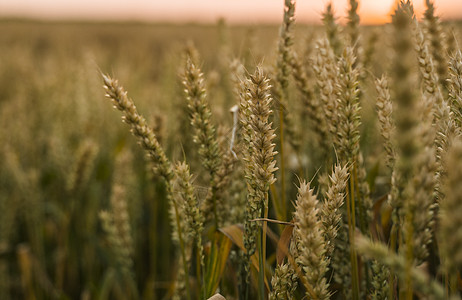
(297,197)
(331,245)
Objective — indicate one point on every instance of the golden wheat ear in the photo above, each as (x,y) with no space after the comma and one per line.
(450,236)
(311,246)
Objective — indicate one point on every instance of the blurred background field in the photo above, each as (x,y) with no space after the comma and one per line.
(62,146)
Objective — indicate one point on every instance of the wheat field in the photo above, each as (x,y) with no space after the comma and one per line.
(285,161)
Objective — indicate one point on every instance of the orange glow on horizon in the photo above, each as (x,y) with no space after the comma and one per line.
(374,19)
(207,11)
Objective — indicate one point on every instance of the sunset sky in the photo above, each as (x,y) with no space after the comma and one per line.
(234,11)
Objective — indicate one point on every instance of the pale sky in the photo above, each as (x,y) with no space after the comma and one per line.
(234,11)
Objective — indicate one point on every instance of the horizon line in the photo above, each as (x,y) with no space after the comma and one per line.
(137,20)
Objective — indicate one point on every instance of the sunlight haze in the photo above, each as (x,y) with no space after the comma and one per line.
(234,11)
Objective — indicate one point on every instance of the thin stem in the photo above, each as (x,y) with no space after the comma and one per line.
(351,227)
(214,204)
(198,268)
(276,205)
(265,226)
(283,181)
(362,212)
(393,240)
(409,253)
(183,252)
(261,275)
(273,221)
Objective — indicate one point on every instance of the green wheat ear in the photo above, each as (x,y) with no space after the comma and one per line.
(205,135)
